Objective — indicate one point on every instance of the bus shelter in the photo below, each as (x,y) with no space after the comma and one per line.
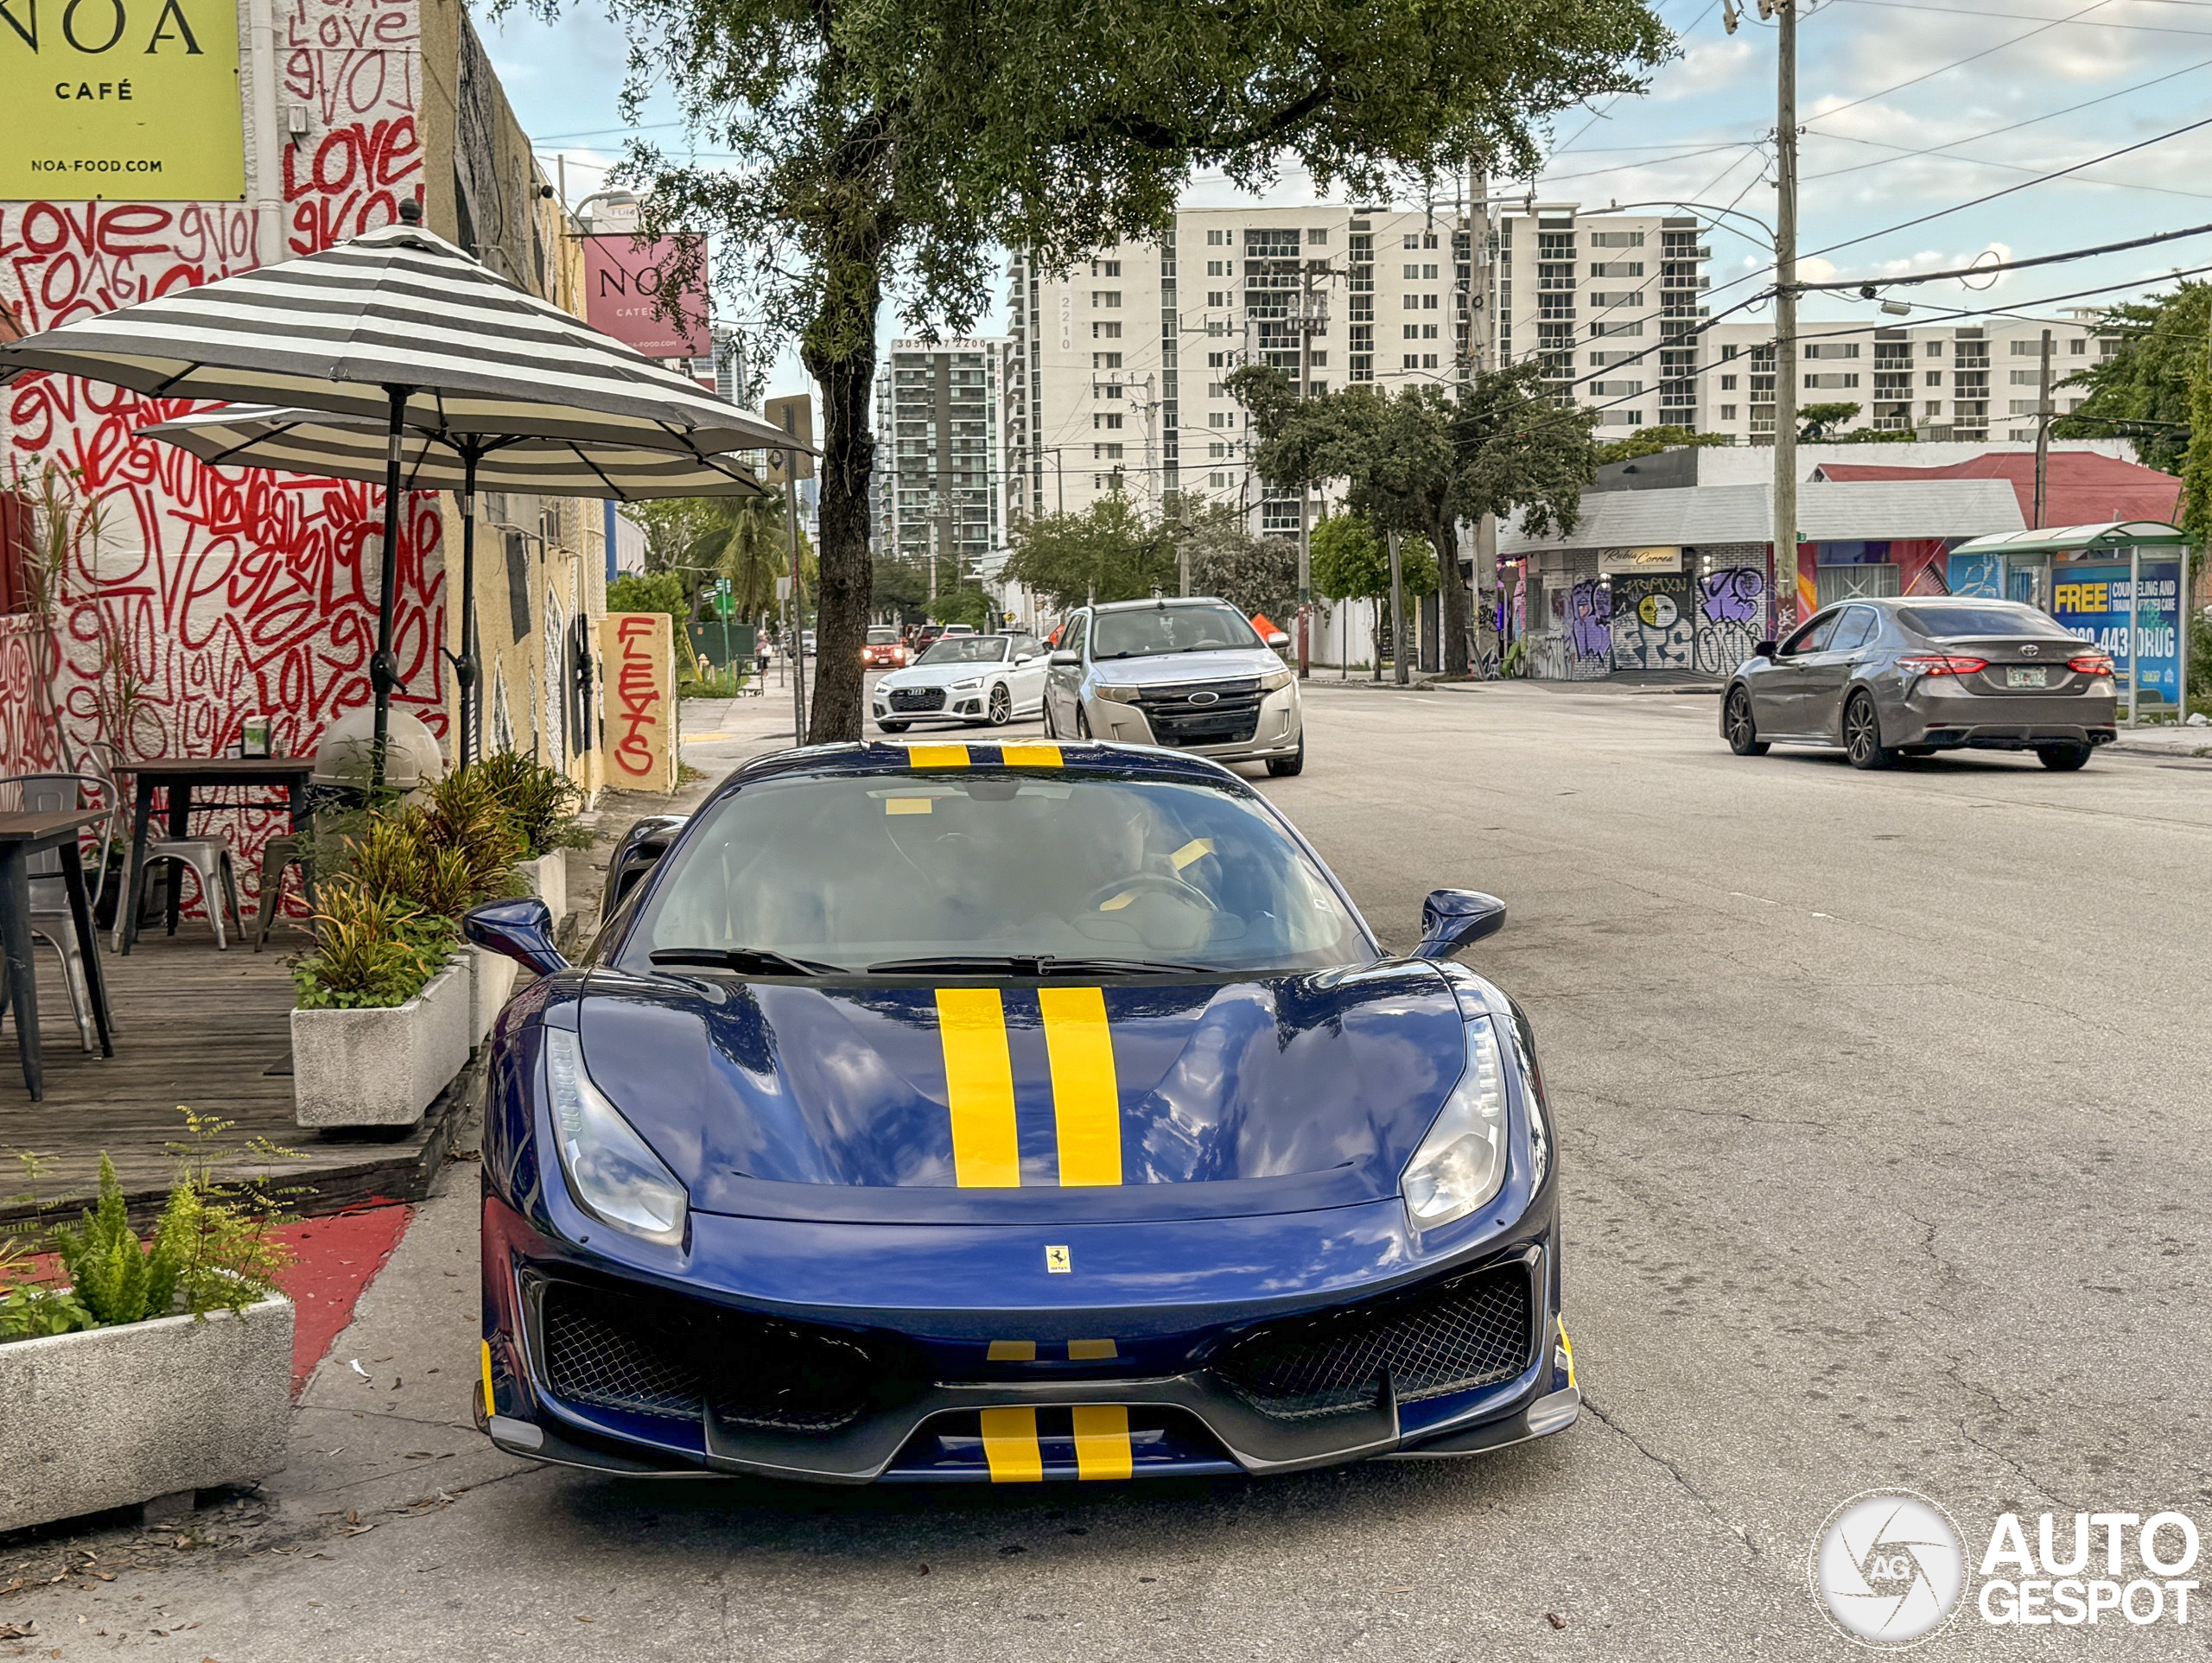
(2122,586)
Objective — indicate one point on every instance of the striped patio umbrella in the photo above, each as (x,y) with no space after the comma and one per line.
(398,326)
(355,447)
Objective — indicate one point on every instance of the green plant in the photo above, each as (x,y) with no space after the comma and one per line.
(373,951)
(211,1249)
(469,817)
(539,803)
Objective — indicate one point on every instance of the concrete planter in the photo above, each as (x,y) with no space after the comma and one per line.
(382,1067)
(116,1416)
(547,877)
(491,980)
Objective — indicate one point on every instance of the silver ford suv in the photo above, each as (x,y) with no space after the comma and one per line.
(1189,674)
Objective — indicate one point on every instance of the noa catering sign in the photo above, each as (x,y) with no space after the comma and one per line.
(135,99)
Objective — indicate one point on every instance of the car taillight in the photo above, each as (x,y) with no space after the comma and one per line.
(2090,664)
(1940,663)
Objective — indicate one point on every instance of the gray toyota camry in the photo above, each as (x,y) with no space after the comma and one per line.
(1884,679)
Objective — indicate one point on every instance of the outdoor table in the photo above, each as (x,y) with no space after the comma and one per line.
(21,836)
(177,775)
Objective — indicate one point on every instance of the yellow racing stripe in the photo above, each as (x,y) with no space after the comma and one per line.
(979,1088)
(938,756)
(1102,1442)
(1030,756)
(1086,1098)
(1010,1445)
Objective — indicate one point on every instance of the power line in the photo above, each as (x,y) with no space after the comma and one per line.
(2025,17)
(1945,69)
(2016,265)
(2005,167)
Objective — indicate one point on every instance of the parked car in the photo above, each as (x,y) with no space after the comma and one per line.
(1908,676)
(970,1113)
(960,629)
(965,678)
(1191,674)
(806,641)
(883,648)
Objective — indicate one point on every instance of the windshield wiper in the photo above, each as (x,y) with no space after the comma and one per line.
(1030,964)
(746,960)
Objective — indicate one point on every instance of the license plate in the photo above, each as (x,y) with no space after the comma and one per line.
(2019,675)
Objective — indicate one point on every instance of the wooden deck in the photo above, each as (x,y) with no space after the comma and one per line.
(198,1027)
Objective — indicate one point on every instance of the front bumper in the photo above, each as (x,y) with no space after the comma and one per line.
(949,1396)
(1278,731)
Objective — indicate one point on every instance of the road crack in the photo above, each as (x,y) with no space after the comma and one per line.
(1741,1536)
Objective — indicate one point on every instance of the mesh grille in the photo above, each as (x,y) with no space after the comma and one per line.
(1203,712)
(656,1356)
(617,1354)
(1471,1332)
(918,698)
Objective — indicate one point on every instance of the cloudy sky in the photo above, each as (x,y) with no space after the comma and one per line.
(1910,109)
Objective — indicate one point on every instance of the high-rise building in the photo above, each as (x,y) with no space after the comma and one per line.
(1121,364)
(940,426)
(1968,380)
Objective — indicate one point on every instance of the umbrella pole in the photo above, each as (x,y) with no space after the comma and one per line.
(382,672)
(467,669)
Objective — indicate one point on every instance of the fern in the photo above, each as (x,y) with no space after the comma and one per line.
(108,1271)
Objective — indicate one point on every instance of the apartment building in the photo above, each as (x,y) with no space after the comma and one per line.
(1966,382)
(1121,364)
(940,424)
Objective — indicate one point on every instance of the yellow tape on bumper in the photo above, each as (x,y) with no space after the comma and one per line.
(491,1404)
(1568,1346)
(1091,1350)
(979,1088)
(1030,756)
(938,756)
(1086,1096)
(1013,1351)
(1102,1442)
(1010,1445)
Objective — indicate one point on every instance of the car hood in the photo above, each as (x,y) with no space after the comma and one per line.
(938,674)
(786,1098)
(1170,668)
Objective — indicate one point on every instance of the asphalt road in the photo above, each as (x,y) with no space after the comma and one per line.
(1880,1102)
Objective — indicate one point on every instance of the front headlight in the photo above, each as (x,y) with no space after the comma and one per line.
(1118,694)
(968,686)
(1275,679)
(1461,1163)
(613,1172)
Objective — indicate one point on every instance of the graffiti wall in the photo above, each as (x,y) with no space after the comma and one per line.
(1651,621)
(1729,613)
(204,596)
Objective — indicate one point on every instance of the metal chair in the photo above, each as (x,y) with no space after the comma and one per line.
(206,855)
(277,855)
(50,919)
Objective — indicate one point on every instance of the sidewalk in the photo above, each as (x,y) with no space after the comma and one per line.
(2163,741)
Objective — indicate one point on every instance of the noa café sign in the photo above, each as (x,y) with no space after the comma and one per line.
(135,99)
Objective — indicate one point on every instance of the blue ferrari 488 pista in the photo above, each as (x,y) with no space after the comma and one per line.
(1009,1113)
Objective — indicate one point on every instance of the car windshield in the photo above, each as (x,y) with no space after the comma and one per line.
(864,869)
(1147,631)
(1946,622)
(966,650)
(883,637)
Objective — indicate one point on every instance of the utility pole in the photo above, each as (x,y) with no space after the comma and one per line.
(1304,529)
(2044,411)
(1786,317)
(1398,613)
(1482,343)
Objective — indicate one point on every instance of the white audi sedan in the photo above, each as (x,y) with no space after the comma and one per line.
(979,680)
(1188,675)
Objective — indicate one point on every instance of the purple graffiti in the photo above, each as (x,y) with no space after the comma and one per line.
(1589,609)
(1731,596)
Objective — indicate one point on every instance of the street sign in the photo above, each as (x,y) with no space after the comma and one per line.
(725,603)
(795,415)
(782,588)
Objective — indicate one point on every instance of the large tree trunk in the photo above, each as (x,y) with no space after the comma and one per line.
(839,352)
(1458,610)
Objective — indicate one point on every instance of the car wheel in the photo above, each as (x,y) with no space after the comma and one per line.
(892,727)
(999,707)
(1082,723)
(1284,767)
(2063,758)
(1052,728)
(1862,735)
(1737,723)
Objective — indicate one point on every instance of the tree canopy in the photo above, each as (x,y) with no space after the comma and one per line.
(2143,392)
(1108,551)
(1820,423)
(1423,459)
(1650,442)
(1254,574)
(880,151)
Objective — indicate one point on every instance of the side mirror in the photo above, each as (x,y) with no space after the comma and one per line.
(1027,659)
(1763,650)
(1454,918)
(1066,660)
(641,846)
(1277,640)
(523,930)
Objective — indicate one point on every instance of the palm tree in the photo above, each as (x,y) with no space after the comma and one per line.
(745,541)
